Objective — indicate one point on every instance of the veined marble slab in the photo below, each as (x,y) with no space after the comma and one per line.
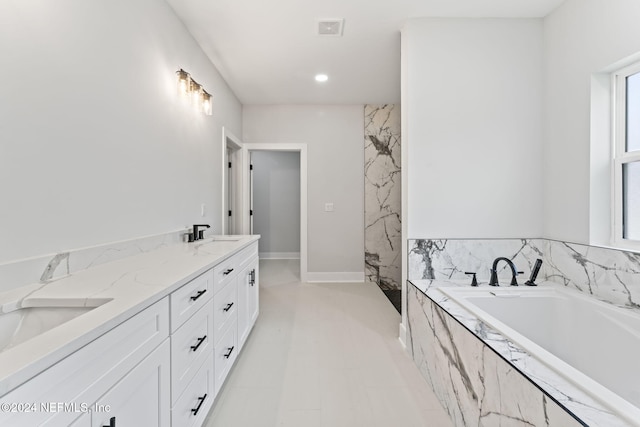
(43,269)
(383,232)
(483,378)
(608,274)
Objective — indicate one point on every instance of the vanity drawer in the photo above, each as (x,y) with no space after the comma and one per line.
(225,353)
(190,345)
(192,407)
(190,298)
(224,312)
(246,255)
(224,273)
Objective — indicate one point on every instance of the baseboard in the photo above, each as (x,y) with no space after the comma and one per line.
(402,336)
(279,255)
(334,277)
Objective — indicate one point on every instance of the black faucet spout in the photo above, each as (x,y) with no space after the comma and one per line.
(493,281)
(198,235)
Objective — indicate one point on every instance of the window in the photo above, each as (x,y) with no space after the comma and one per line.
(626,157)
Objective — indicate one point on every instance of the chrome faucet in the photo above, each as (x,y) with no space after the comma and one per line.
(494,272)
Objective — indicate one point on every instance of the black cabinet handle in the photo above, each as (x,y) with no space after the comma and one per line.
(228,307)
(197,408)
(226,356)
(227,271)
(198,295)
(112,422)
(200,341)
(252,277)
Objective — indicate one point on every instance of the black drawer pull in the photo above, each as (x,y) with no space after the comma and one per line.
(200,341)
(226,356)
(228,307)
(200,293)
(227,271)
(112,422)
(197,408)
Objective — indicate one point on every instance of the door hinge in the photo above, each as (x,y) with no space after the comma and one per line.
(251,212)
(229,213)
(250,167)
(229,164)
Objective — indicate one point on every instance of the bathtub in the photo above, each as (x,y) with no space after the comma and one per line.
(592,344)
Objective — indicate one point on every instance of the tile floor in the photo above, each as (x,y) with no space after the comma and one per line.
(324,355)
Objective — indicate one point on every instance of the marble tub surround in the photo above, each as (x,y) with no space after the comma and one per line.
(123,287)
(481,377)
(382,196)
(608,274)
(445,259)
(43,269)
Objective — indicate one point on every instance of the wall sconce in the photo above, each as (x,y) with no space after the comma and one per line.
(201,100)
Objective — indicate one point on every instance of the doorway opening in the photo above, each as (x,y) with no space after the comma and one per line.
(267,193)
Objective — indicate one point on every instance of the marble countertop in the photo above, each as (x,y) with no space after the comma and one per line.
(589,410)
(128,285)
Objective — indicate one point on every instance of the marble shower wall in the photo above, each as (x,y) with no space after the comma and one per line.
(608,274)
(382,193)
(46,268)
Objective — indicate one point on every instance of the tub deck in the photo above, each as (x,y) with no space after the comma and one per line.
(588,404)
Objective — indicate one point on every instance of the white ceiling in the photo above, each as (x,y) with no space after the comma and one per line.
(269,53)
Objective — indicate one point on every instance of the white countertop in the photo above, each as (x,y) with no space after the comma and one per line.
(129,285)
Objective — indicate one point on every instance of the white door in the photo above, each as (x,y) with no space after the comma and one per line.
(250,194)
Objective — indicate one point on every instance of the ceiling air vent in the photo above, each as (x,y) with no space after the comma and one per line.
(330,27)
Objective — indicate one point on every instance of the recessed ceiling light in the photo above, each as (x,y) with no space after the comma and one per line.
(322,77)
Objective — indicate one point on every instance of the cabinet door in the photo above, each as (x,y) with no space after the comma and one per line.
(140,398)
(253,301)
(247,300)
(83,421)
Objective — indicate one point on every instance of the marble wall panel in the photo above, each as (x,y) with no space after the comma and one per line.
(445,259)
(475,385)
(608,274)
(382,196)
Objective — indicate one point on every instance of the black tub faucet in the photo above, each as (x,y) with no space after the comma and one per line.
(494,272)
(198,234)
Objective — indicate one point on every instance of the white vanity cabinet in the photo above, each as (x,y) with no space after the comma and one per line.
(161,367)
(192,326)
(67,392)
(248,298)
(232,322)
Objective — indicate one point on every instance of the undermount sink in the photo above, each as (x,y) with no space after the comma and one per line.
(24,323)
(226,238)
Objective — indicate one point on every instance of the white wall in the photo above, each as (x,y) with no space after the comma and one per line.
(276,202)
(582,38)
(335,139)
(472,94)
(94,144)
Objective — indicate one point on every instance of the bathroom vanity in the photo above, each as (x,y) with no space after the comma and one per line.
(147,340)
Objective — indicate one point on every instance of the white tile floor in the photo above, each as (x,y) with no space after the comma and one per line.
(324,355)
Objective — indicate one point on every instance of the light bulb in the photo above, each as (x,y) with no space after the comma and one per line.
(184,82)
